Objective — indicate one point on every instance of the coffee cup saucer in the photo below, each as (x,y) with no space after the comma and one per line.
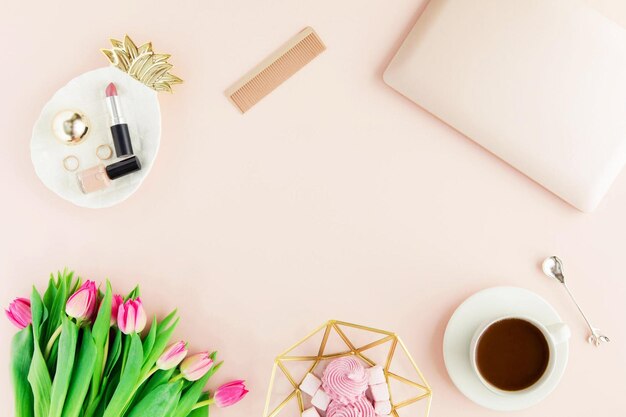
(487,305)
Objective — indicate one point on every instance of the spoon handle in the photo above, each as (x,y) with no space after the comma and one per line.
(578,307)
(595,337)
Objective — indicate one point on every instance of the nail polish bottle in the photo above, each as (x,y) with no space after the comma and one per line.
(99,177)
(93,179)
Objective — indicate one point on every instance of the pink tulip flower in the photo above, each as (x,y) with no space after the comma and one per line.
(116,302)
(230,393)
(82,304)
(195,366)
(172,356)
(131,317)
(19,312)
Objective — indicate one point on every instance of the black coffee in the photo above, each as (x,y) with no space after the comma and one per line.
(512,354)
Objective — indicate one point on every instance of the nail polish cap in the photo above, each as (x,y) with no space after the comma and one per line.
(123,167)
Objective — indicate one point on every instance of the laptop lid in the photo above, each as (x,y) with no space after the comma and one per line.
(539,83)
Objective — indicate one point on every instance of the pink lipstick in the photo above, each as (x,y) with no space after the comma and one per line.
(119,128)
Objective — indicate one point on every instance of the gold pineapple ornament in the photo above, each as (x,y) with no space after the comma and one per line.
(142,63)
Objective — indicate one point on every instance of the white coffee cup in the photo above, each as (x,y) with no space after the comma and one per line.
(554,334)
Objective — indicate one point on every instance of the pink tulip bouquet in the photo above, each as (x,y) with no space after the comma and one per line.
(80,353)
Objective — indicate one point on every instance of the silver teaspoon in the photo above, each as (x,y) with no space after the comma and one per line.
(553,267)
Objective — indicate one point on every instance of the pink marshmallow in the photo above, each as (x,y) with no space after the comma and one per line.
(310,412)
(310,384)
(376,375)
(382,408)
(320,400)
(380,392)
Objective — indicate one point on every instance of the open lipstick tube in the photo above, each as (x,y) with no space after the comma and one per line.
(119,128)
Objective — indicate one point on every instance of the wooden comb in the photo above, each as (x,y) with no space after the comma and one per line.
(275,69)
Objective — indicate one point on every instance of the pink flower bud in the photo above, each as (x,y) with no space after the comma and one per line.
(116,302)
(172,356)
(131,317)
(230,393)
(82,304)
(195,366)
(19,312)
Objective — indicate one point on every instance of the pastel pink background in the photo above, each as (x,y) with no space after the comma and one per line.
(333,198)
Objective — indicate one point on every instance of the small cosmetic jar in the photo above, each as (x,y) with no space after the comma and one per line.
(70,127)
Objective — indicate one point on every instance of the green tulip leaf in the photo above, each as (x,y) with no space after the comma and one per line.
(65,365)
(57,310)
(81,376)
(115,349)
(133,294)
(51,360)
(110,390)
(148,342)
(72,287)
(21,358)
(201,411)
(48,296)
(128,379)
(159,402)
(163,336)
(38,375)
(163,324)
(100,333)
(191,397)
(214,369)
(158,378)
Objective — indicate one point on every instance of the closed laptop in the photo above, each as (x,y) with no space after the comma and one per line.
(539,83)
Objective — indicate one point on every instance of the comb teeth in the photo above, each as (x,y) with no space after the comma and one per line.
(275,69)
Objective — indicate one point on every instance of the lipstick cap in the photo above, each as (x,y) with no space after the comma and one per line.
(123,167)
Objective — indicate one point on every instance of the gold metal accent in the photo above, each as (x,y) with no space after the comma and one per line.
(104,152)
(141,63)
(70,127)
(71,163)
(424,392)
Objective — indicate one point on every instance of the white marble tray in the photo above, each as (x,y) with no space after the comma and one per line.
(85,93)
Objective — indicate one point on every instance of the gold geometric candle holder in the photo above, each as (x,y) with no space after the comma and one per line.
(409,392)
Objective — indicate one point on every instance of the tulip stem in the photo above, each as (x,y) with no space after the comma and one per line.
(176,378)
(203,403)
(139,384)
(50,344)
(105,355)
(148,375)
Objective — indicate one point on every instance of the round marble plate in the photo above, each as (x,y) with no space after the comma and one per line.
(85,93)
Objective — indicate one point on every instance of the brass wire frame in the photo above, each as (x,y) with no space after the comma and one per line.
(353,351)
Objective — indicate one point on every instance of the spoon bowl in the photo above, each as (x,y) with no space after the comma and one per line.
(553,268)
